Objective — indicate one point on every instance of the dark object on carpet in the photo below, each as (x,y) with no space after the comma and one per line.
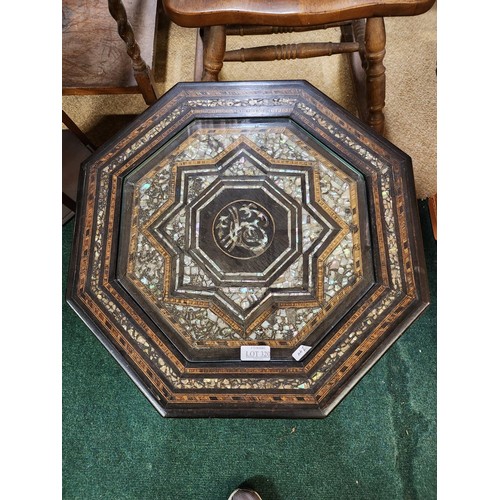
(243,494)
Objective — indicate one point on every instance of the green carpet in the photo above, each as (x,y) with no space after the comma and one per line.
(379,443)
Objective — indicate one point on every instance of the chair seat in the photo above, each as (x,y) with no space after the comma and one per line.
(94,57)
(199,13)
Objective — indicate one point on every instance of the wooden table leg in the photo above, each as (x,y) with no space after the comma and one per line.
(433,213)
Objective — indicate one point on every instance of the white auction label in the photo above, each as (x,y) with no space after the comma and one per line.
(255,353)
(300,352)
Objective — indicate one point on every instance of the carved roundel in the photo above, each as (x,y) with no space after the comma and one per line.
(243,229)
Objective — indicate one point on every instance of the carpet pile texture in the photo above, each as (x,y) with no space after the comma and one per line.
(378,444)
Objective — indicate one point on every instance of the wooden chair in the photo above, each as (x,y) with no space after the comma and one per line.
(76,147)
(94,58)
(361,23)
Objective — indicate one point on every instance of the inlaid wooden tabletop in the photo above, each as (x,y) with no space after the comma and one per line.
(247,249)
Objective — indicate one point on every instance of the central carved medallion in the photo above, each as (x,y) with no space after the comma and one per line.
(243,229)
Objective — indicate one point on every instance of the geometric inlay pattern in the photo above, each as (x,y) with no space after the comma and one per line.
(248,247)
(241,214)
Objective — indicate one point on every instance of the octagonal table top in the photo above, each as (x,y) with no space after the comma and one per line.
(247,249)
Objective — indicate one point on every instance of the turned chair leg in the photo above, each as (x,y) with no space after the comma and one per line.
(214,47)
(142,73)
(375,71)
